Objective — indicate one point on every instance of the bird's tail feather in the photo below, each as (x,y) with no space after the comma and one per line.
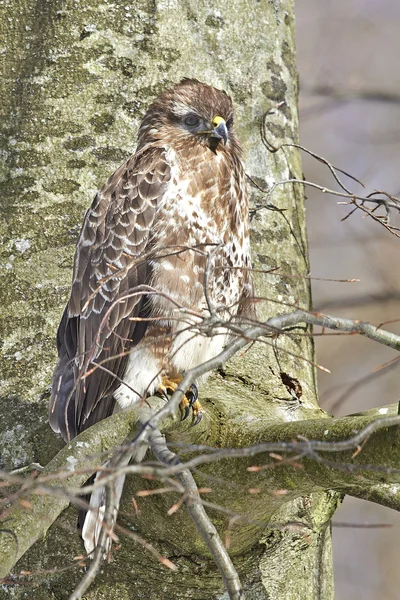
(94,519)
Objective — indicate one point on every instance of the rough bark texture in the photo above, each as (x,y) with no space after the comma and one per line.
(78,77)
(25,525)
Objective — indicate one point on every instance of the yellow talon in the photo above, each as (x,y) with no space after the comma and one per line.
(171,384)
(189,400)
(168,385)
(197,410)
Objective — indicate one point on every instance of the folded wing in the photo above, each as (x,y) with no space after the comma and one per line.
(110,281)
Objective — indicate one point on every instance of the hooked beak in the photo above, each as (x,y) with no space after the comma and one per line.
(220,130)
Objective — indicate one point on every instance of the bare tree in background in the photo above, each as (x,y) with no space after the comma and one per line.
(271,466)
(349,113)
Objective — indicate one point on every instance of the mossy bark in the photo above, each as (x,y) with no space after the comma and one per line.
(77,78)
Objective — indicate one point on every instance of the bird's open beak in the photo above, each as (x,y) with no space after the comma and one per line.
(220,130)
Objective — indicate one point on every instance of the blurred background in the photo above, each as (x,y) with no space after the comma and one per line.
(348,54)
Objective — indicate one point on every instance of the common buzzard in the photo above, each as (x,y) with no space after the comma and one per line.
(165,242)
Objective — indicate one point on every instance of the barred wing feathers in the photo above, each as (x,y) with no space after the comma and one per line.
(108,265)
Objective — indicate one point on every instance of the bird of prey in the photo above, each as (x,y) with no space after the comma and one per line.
(163,247)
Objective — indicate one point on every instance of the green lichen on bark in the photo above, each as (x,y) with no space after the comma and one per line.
(291,524)
(77,80)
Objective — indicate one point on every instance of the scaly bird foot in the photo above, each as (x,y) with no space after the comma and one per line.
(189,400)
(168,385)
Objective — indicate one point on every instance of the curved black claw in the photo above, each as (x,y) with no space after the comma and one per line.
(198,419)
(163,393)
(190,403)
(192,394)
(186,413)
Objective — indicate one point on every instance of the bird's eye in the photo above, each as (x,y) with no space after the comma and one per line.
(191,120)
(229,122)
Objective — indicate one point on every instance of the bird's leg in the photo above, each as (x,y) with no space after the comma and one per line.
(189,400)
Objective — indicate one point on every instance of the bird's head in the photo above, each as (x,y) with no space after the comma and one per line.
(190,113)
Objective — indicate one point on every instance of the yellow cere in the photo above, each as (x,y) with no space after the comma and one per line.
(217,121)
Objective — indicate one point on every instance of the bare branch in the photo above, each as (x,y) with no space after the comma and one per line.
(95,565)
(23,526)
(350,94)
(378,198)
(25,529)
(203,524)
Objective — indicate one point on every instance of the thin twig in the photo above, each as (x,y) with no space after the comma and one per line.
(203,524)
(94,568)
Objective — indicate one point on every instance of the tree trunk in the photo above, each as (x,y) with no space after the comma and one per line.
(77,80)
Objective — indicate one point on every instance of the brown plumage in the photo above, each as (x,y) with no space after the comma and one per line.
(165,240)
(177,205)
